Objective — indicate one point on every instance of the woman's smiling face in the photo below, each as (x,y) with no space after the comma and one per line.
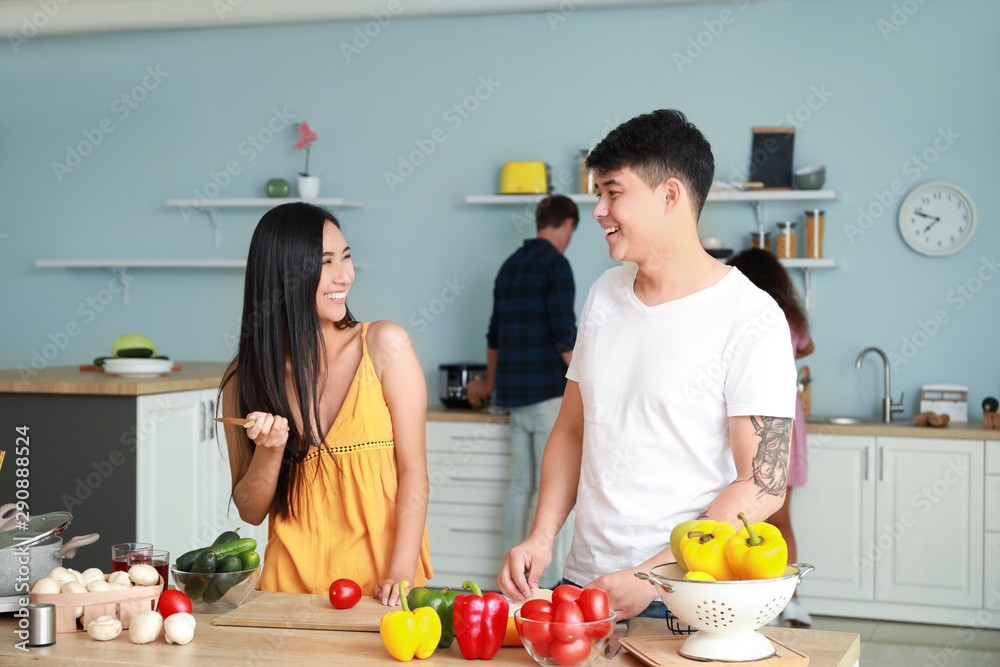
(336,275)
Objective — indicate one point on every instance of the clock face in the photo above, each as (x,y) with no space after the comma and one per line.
(937,219)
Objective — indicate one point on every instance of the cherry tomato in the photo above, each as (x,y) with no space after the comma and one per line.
(565,593)
(173,601)
(594,603)
(568,622)
(344,593)
(533,607)
(573,652)
(537,630)
(542,649)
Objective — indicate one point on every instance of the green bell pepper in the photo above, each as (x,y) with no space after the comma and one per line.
(442,602)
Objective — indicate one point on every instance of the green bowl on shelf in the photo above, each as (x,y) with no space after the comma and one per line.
(277,188)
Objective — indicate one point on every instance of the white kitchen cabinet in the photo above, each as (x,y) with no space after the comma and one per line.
(894,527)
(834,520)
(183,478)
(469,468)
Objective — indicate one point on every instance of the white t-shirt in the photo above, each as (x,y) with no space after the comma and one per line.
(658,386)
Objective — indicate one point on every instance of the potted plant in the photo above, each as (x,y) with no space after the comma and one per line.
(308,185)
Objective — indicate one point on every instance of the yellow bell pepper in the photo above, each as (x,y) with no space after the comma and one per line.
(757,551)
(410,633)
(704,549)
(698,576)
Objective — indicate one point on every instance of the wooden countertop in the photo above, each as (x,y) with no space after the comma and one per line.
(225,645)
(971,430)
(71,380)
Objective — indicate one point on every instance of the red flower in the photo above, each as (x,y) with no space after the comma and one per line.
(306,133)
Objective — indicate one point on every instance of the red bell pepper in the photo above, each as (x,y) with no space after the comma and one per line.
(480,622)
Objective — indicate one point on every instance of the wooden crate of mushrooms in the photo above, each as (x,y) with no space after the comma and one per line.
(83,598)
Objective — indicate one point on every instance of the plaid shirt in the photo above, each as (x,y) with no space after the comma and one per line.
(532,324)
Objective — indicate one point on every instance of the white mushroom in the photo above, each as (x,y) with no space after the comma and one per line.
(120,586)
(62,575)
(46,586)
(144,574)
(91,574)
(75,587)
(98,586)
(104,628)
(178,628)
(120,577)
(77,575)
(145,627)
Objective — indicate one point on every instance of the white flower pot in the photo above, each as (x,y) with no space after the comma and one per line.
(309,187)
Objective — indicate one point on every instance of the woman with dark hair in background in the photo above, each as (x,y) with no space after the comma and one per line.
(766,272)
(336,457)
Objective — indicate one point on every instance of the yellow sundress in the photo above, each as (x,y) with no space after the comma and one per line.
(346,525)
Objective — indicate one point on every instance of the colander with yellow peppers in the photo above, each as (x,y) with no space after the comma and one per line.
(726,584)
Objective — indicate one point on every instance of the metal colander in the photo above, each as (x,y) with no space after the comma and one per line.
(723,615)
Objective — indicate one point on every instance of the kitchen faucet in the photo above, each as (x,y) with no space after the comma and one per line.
(888,407)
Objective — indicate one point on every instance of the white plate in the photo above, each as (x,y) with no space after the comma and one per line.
(138,368)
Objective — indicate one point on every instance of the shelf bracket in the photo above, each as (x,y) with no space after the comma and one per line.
(121,275)
(759,209)
(807,279)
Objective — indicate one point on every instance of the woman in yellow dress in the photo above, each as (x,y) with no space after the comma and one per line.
(336,458)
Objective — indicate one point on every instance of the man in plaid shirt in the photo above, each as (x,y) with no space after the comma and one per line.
(529,347)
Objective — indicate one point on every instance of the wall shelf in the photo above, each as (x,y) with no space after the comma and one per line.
(212,206)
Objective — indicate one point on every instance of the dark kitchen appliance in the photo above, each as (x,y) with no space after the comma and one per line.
(454,377)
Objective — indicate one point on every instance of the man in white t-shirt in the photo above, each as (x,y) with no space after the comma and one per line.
(681,392)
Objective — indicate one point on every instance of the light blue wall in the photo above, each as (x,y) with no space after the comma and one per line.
(561,86)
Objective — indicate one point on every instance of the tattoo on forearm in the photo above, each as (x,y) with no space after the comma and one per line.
(770,464)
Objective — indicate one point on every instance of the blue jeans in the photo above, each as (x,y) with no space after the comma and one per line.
(530,426)
(656,608)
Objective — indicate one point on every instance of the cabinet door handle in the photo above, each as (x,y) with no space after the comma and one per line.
(209,421)
(881,464)
(201,405)
(866,463)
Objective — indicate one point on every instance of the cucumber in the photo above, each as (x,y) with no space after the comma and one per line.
(236,548)
(205,563)
(99,361)
(196,585)
(226,576)
(226,537)
(250,560)
(136,352)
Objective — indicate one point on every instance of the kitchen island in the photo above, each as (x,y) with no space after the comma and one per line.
(227,645)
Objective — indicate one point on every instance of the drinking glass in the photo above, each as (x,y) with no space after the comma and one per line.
(120,552)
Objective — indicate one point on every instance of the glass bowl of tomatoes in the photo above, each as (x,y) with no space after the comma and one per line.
(565,643)
(217,592)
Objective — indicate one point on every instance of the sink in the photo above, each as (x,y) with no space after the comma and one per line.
(842,420)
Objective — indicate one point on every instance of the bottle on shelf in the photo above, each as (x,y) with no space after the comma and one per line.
(586,176)
(785,246)
(814,233)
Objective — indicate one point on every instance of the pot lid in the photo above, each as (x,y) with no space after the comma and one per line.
(38,528)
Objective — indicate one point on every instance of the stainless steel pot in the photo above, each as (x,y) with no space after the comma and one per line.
(38,546)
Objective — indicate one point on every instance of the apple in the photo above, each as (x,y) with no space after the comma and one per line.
(675,539)
(130,341)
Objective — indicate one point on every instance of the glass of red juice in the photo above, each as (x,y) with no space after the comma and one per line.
(158,558)
(120,552)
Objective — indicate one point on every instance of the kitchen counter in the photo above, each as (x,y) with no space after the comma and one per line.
(972,430)
(71,380)
(226,645)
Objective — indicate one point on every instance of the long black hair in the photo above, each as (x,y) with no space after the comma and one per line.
(280,327)
(766,272)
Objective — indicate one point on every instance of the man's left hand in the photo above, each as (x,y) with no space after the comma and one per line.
(628,596)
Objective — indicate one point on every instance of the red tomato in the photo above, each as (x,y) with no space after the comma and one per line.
(573,652)
(531,608)
(594,603)
(539,632)
(344,593)
(565,593)
(568,622)
(173,601)
(542,649)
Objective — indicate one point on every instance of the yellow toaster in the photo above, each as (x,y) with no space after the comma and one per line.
(519,178)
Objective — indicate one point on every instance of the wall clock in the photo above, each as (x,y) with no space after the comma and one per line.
(937,218)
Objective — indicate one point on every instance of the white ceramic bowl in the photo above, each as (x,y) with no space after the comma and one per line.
(726,614)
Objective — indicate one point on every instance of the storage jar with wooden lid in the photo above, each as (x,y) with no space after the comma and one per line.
(814,233)
(759,239)
(786,247)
